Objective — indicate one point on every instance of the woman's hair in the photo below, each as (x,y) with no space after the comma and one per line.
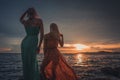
(54,30)
(32,12)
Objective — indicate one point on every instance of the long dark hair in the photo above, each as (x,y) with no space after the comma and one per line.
(54,30)
(32,12)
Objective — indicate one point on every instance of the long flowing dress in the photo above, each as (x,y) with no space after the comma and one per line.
(28,51)
(54,64)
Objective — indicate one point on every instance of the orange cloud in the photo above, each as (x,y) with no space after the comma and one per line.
(5,49)
(106,47)
(73,48)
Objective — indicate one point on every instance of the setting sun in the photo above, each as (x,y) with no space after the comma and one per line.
(80,46)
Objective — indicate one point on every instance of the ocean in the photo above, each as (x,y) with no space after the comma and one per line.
(86,65)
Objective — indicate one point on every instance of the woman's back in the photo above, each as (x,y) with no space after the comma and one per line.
(29,45)
(32,30)
(54,65)
(50,41)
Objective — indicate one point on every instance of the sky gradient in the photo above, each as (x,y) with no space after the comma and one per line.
(95,23)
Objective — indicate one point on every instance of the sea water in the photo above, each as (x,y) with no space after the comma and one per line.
(86,66)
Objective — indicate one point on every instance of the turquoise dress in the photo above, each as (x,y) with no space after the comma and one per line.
(28,51)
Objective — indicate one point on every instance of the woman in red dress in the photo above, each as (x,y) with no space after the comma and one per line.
(54,65)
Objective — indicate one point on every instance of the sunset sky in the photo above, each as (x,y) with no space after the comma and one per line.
(87,25)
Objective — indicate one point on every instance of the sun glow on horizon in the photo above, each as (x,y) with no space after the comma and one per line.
(80,46)
(76,48)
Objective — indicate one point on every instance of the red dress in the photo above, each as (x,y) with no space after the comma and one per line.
(54,64)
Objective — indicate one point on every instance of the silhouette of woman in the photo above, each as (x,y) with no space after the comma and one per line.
(54,65)
(29,46)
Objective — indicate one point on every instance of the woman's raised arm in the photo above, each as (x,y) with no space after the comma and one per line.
(22,20)
(61,40)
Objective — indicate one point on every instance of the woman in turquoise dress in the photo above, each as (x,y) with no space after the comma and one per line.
(30,45)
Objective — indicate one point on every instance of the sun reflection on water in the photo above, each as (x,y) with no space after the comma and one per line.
(79,58)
